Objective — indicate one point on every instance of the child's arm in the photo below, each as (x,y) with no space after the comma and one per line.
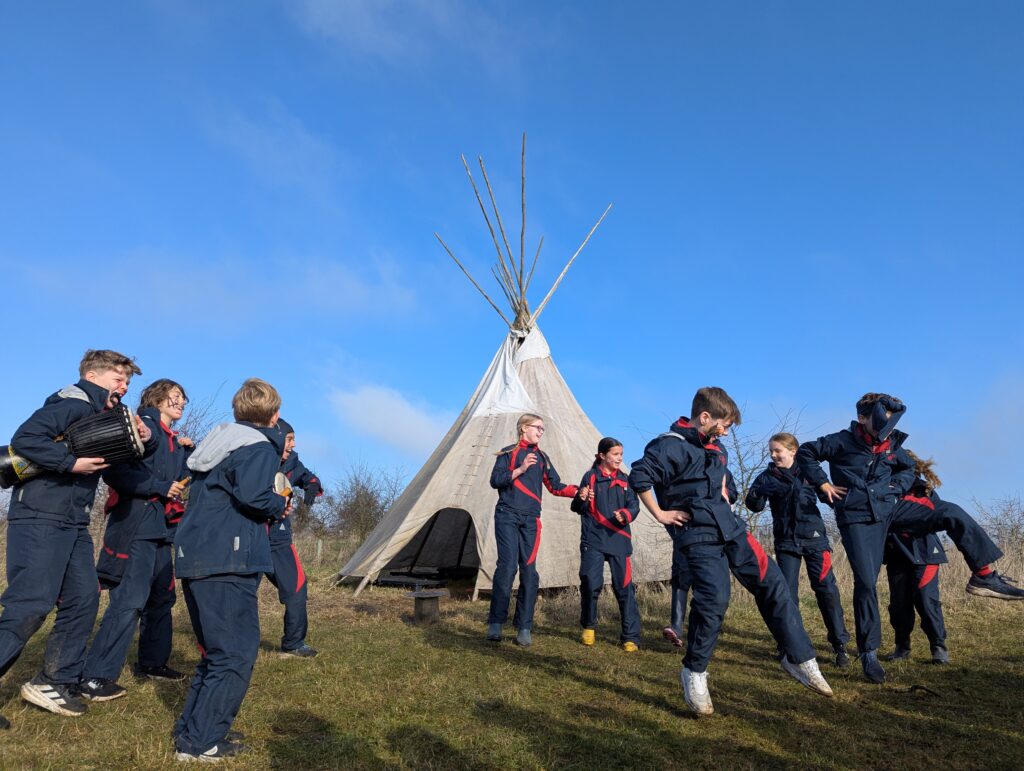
(644,475)
(35,438)
(136,480)
(502,476)
(904,473)
(253,481)
(582,497)
(809,458)
(630,509)
(308,481)
(554,484)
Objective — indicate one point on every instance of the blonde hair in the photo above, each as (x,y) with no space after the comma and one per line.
(787,440)
(923,468)
(100,361)
(256,402)
(524,420)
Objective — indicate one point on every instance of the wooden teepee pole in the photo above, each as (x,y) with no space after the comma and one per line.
(501,226)
(487,219)
(481,291)
(536,313)
(522,230)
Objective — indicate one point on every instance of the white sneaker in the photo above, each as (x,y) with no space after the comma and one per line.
(695,691)
(808,674)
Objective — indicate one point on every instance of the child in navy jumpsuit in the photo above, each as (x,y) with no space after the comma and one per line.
(288,575)
(521,471)
(607,504)
(49,549)
(912,568)
(870,472)
(800,535)
(143,507)
(682,479)
(221,549)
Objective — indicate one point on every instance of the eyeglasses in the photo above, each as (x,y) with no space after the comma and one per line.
(539,428)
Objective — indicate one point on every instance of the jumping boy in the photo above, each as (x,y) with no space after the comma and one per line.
(221,548)
(49,549)
(288,575)
(143,509)
(870,471)
(682,480)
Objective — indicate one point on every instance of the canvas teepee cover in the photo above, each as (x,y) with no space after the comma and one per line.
(445,517)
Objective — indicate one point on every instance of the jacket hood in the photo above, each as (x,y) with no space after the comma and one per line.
(221,442)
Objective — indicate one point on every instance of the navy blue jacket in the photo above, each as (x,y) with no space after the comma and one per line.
(796,520)
(875,475)
(57,494)
(137,504)
(299,477)
(231,502)
(686,471)
(522,495)
(903,547)
(599,529)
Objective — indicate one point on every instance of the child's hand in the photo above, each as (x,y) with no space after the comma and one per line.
(621,518)
(88,465)
(673,517)
(144,433)
(176,490)
(832,492)
(184,441)
(530,460)
(585,493)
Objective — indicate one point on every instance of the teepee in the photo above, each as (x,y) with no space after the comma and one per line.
(445,517)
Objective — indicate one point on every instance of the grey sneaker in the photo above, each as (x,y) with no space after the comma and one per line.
(57,698)
(524,638)
(494,633)
(994,585)
(902,652)
(303,652)
(939,654)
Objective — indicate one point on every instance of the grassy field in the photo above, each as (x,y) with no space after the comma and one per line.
(387,694)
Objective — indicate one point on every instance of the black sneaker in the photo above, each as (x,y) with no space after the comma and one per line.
(842,659)
(218,752)
(994,585)
(57,698)
(901,653)
(304,652)
(873,671)
(100,689)
(939,654)
(158,673)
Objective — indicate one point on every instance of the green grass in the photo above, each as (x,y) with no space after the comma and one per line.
(386,694)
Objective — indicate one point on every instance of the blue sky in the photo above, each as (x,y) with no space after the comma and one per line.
(811,200)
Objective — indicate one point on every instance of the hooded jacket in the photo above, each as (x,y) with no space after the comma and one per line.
(523,494)
(599,529)
(137,502)
(58,494)
(876,474)
(686,470)
(231,503)
(904,547)
(796,520)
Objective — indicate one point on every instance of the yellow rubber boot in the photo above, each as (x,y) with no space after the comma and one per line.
(630,647)
(587,638)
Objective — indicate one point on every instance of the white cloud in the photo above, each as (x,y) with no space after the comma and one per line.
(386,415)
(278,148)
(401,32)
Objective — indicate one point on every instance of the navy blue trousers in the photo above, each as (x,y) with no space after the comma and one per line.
(680,589)
(915,586)
(710,565)
(225,618)
(49,564)
(290,580)
(824,586)
(865,545)
(592,582)
(518,540)
(146,593)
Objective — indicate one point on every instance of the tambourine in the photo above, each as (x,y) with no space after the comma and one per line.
(281,485)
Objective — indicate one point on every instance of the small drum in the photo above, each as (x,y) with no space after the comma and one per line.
(281,485)
(111,435)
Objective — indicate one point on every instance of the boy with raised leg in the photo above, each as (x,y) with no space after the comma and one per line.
(682,479)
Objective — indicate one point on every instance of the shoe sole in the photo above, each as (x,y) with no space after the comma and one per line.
(142,676)
(187,758)
(33,695)
(104,698)
(979,591)
(283,655)
(672,637)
